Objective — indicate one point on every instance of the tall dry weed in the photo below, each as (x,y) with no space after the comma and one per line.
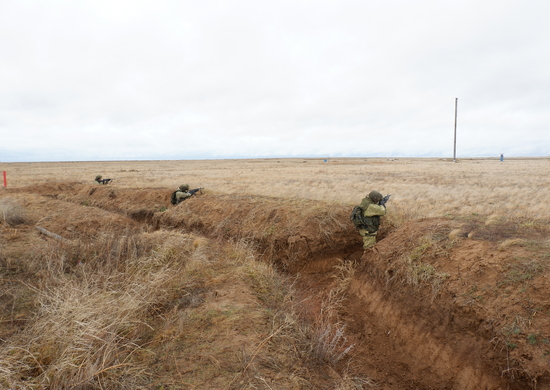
(330,343)
(91,315)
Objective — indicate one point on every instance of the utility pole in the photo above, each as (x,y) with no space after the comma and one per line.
(454,150)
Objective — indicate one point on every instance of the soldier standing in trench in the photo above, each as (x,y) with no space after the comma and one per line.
(372,211)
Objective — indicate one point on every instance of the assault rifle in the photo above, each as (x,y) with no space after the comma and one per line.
(104,181)
(384,200)
(194,192)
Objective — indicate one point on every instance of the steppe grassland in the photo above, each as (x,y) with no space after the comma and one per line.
(419,187)
(91,322)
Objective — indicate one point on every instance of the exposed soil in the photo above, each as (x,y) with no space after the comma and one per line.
(424,311)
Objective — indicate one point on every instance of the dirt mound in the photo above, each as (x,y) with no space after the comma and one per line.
(68,219)
(436,313)
(288,232)
(138,204)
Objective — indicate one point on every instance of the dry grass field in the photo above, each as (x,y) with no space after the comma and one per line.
(261,281)
(419,187)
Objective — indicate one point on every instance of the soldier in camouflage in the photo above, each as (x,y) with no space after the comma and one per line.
(182,193)
(372,213)
(99,180)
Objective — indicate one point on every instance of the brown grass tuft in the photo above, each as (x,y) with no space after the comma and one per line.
(456,234)
(415,267)
(11,212)
(494,219)
(91,314)
(510,242)
(330,342)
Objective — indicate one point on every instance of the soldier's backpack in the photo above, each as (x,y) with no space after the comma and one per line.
(173,198)
(356,217)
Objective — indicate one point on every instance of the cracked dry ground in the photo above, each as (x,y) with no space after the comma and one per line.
(448,303)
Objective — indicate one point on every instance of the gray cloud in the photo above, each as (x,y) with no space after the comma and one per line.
(96,80)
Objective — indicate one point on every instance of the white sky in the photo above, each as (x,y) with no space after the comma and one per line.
(178,79)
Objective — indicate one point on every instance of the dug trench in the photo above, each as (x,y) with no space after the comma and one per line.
(425,309)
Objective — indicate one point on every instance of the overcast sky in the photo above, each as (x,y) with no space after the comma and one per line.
(177,79)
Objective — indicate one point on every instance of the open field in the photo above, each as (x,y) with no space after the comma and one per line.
(419,187)
(261,282)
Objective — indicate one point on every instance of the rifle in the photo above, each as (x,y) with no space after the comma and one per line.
(104,181)
(194,192)
(384,200)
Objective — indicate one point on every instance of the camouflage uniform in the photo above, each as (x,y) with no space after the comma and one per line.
(183,193)
(372,213)
(99,180)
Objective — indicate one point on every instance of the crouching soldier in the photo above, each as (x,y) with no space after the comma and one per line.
(373,207)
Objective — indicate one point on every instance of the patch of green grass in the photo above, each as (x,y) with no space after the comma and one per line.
(522,272)
(532,339)
(512,330)
(511,345)
(473,295)
(270,230)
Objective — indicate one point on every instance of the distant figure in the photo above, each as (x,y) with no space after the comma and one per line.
(99,179)
(502,157)
(367,222)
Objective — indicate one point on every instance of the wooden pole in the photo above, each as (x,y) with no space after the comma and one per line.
(5,179)
(456,111)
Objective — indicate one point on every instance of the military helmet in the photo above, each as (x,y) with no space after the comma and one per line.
(375,196)
(185,187)
(98,177)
